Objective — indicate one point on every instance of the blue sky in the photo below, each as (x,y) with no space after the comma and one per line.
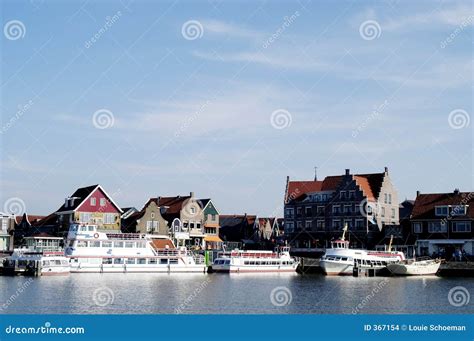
(191,87)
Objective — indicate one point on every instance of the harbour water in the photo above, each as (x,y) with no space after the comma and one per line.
(231,294)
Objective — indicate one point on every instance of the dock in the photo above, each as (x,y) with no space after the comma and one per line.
(456,269)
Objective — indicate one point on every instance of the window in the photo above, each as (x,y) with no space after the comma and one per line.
(109,218)
(81,243)
(93,201)
(152,215)
(348,222)
(359,223)
(383,212)
(299,224)
(129,244)
(193,210)
(308,224)
(461,226)
(290,212)
(152,226)
(347,208)
(352,194)
(102,201)
(393,213)
(441,211)
(385,198)
(336,209)
(320,224)
(437,227)
(141,261)
(336,223)
(458,210)
(289,226)
(118,244)
(118,261)
(94,243)
(389,198)
(308,211)
(417,228)
(85,217)
(107,244)
(298,211)
(342,194)
(320,210)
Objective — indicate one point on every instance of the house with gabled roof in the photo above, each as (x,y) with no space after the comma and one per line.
(316,211)
(91,205)
(7,227)
(444,223)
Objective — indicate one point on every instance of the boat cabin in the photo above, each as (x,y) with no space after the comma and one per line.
(44,242)
(340,244)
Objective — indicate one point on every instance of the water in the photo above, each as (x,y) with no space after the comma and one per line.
(230,294)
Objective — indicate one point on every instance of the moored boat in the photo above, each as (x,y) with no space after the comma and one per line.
(255,261)
(342,260)
(90,250)
(36,263)
(423,267)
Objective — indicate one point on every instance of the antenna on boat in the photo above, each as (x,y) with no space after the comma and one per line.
(344,230)
(390,244)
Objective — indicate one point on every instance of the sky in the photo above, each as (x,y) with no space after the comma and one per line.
(228,98)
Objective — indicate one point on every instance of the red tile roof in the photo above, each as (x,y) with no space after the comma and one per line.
(425,204)
(162,243)
(364,185)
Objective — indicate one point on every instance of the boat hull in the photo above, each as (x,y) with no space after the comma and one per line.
(255,269)
(93,268)
(400,269)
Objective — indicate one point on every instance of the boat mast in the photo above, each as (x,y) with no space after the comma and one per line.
(390,244)
(344,230)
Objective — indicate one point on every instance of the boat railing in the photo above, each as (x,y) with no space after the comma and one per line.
(125,236)
(171,252)
(248,254)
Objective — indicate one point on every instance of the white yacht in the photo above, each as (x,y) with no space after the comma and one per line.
(421,267)
(37,263)
(90,250)
(341,260)
(255,261)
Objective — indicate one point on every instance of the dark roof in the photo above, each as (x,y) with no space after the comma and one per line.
(51,219)
(80,194)
(425,204)
(236,227)
(204,202)
(405,209)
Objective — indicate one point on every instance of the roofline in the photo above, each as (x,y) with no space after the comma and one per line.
(210,200)
(95,188)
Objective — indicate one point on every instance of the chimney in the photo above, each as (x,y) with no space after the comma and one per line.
(348,171)
(418,193)
(386,170)
(456,191)
(191,194)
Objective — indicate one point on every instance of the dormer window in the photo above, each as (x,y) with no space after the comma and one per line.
(458,210)
(441,211)
(102,202)
(93,201)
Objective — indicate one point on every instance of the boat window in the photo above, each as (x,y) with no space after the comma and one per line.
(129,244)
(83,228)
(81,243)
(107,261)
(152,261)
(94,244)
(57,262)
(246,262)
(173,261)
(91,228)
(130,261)
(64,262)
(107,244)
(141,261)
(344,258)
(118,244)
(227,262)
(45,262)
(118,261)
(163,261)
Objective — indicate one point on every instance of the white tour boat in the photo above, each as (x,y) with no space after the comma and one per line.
(92,251)
(421,267)
(341,260)
(255,261)
(37,263)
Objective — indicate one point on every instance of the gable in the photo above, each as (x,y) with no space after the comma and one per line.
(98,193)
